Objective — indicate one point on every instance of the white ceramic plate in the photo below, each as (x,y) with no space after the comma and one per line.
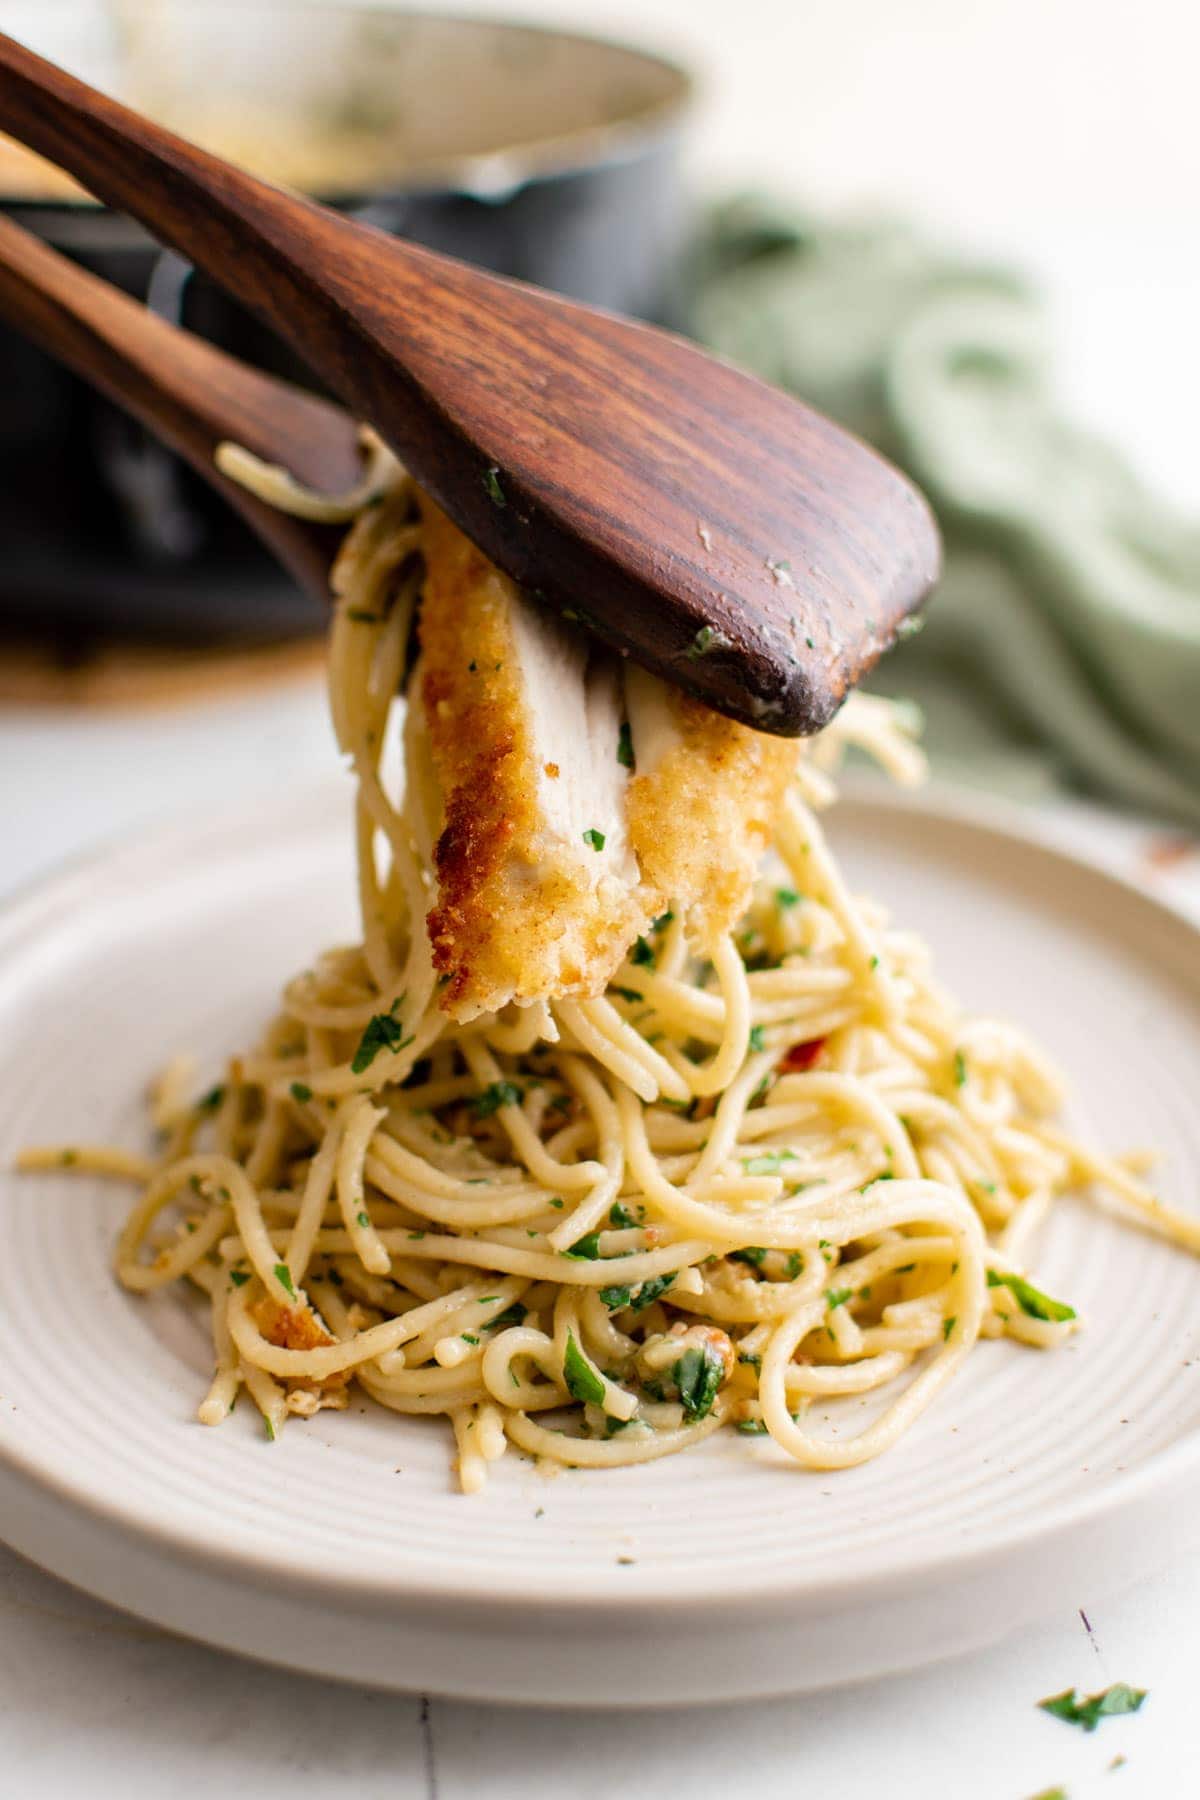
(344,1548)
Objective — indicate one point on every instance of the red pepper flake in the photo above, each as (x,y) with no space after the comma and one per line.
(802,1056)
(1169,851)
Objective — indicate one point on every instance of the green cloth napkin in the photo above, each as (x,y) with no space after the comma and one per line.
(1063,644)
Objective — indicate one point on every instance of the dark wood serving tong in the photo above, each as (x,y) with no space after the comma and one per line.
(710,526)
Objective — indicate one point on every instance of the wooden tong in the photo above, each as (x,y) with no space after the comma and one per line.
(710,526)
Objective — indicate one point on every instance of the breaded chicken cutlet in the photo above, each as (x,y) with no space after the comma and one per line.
(565,798)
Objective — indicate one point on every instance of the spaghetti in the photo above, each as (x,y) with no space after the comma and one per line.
(735,1188)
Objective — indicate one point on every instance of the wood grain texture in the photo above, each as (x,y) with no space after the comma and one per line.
(706,524)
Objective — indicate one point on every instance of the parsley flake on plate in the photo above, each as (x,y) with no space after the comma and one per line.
(1031,1300)
(582,1381)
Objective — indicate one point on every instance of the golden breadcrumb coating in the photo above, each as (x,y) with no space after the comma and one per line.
(551,853)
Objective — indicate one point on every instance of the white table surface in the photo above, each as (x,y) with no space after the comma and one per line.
(1064,122)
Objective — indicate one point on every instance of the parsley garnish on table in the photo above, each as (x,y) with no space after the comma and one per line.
(1087,1711)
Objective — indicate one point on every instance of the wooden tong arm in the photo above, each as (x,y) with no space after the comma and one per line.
(186,391)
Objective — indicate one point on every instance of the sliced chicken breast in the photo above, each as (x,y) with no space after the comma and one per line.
(702,805)
(538,889)
(564,798)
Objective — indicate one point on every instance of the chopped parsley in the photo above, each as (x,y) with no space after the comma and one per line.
(787,897)
(494,1096)
(698,1374)
(620,1216)
(756,1040)
(364,1219)
(1075,1709)
(283,1276)
(751,1428)
(492,488)
(586,1248)
(239,1277)
(625,746)
(639,1297)
(512,1315)
(662,921)
(708,638)
(468,1337)
(579,615)
(301,1091)
(768,1163)
(751,1359)
(835,1297)
(594,839)
(582,1381)
(642,953)
(211,1100)
(948,1327)
(753,1254)
(795,1264)
(268,1428)
(960,1069)
(1031,1300)
(383,1032)
(633,995)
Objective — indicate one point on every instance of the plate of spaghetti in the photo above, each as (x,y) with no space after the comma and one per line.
(580,1247)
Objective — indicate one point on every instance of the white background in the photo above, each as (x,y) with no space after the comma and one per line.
(1064,132)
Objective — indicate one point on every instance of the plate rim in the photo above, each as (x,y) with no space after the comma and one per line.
(31,909)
